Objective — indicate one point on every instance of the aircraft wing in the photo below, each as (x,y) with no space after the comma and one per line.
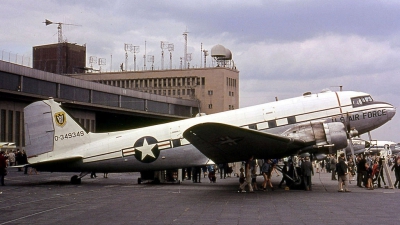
(225,143)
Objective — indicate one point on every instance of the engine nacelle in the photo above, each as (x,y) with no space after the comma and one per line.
(323,135)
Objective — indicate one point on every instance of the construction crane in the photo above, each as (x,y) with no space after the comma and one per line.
(60,40)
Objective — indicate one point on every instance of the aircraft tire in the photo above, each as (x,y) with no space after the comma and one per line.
(75,180)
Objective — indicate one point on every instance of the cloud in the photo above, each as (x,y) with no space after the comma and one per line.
(319,57)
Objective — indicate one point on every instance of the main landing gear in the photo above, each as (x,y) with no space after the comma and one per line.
(292,175)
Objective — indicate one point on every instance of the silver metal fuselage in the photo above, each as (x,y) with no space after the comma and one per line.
(115,152)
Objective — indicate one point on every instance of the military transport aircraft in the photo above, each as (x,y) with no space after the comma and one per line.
(359,146)
(373,147)
(383,147)
(7,145)
(313,123)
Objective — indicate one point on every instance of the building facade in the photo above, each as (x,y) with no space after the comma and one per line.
(60,58)
(216,89)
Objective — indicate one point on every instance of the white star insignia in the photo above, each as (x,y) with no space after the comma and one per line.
(146,149)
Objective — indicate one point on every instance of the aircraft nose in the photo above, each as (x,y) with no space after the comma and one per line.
(391,111)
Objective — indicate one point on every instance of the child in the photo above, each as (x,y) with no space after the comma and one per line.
(369,176)
(241,180)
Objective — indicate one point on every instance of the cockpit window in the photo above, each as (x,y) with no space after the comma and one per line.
(363,100)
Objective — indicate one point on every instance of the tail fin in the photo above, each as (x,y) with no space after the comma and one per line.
(49,130)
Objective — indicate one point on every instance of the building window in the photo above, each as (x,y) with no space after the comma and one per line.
(183,91)
(210,92)
(188,91)
(169,92)
(179,91)
(173,92)
(164,92)
(203,81)
(210,106)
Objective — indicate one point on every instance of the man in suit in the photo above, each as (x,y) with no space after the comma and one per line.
(342,171)
(307,171)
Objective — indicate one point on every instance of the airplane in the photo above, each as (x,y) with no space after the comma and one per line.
(317,124)
(7,145)
(359,146)
(383,147)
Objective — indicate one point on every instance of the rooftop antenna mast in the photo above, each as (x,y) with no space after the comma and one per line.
(136,49)
(127,47)
(185,49)
(164,45)
(60,41)
(144,56)
(170,49)
(205,57)
(150,58)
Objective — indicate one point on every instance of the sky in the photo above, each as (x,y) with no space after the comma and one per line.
(281,48)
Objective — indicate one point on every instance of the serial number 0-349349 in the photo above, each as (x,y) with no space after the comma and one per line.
(69,135)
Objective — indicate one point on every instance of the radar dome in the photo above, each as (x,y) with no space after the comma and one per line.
(218,51)
(228,55)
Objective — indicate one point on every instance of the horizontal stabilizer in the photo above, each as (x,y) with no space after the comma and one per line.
(225,143)
(68,164)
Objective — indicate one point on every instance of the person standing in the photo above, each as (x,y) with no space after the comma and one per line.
(266,172)
(350,168)
(361,171)
(241,180)
(342,170)
(396,168)
(18,159)
(380,173)
(333,166)
(284,174)
(3,166)
(247,177)
(24,159)
(11,158)
(307,171)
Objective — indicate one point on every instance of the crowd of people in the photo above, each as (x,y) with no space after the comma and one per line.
(11,158)
(366,171)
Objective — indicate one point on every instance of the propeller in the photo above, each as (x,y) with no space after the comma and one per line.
(351,132)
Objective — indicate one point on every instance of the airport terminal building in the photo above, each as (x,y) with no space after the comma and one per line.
(216,89)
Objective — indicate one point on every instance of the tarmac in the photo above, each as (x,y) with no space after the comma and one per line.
(49,198)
